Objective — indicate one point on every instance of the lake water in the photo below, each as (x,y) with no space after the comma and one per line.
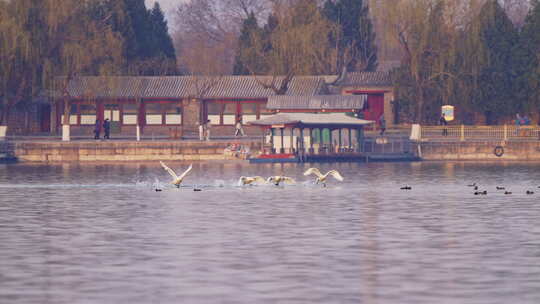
(100,233)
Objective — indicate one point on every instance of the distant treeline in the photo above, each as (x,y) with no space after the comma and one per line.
(475,54)
(479,55)
(42,39)
(468,54)
(303,38)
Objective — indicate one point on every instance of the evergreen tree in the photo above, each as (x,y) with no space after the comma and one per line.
(148,47)
(527,66)
(140,22)
(246,57)
(160,43)
(271,25)
(498,36)
(357,38)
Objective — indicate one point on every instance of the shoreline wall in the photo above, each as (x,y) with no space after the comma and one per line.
(124,151)
(481,150)
(56,151)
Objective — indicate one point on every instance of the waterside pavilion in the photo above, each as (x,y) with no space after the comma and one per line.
(312,136)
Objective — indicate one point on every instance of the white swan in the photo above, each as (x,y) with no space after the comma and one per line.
(276,180)
(322,178)
(248,180)
(177,180)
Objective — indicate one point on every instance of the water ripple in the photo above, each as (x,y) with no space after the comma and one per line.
(99,233)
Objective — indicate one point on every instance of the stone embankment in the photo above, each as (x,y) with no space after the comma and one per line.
(56,151)
(480,150)
(125,151)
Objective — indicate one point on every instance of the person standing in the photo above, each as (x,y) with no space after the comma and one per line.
(208,127)
(518,123)
(518,120)
(238,127)
(107,128)
(443,122)
(97,129)
(201,130)
(382,124)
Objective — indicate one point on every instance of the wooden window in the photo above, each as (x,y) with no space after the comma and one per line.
(129,114)
(88,114)
(229,113)
(214,110)
(73,115)
(249,112)
(163,113)
(154,114)
(226,112)
(112,112)
(173,113)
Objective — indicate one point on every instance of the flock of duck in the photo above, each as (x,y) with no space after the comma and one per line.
(480,192)
(498,188)
(258,180)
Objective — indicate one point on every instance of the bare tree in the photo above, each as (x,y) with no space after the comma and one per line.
(297,46)
(208,32)
(426,32)
(201,56)
(14,58)
(77,44)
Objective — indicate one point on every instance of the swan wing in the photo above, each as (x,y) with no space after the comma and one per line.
(288,180)
(259,179)
(335,174)
(313,171)
(171,172)
(186,172)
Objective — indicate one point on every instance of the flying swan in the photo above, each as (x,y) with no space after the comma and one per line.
(276,180)
(177,180)
(322,178)
(247,180)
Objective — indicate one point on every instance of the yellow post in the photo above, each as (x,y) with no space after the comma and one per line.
(462,133)
(505,132)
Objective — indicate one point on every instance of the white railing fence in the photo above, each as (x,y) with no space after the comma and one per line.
(474,133)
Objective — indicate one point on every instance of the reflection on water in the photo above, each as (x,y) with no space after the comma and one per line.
(99,233)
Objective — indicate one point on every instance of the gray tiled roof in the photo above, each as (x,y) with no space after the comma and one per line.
(335,119)
(95,87)
(337,102)
(191,86)
(368,79)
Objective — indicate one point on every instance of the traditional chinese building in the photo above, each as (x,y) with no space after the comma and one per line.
(175,105)
(161,104)
(378,89)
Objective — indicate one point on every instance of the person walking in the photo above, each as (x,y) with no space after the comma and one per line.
(107,128)
(97,129)
(239,130)
(208,126)
(382,124)
(443,122)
